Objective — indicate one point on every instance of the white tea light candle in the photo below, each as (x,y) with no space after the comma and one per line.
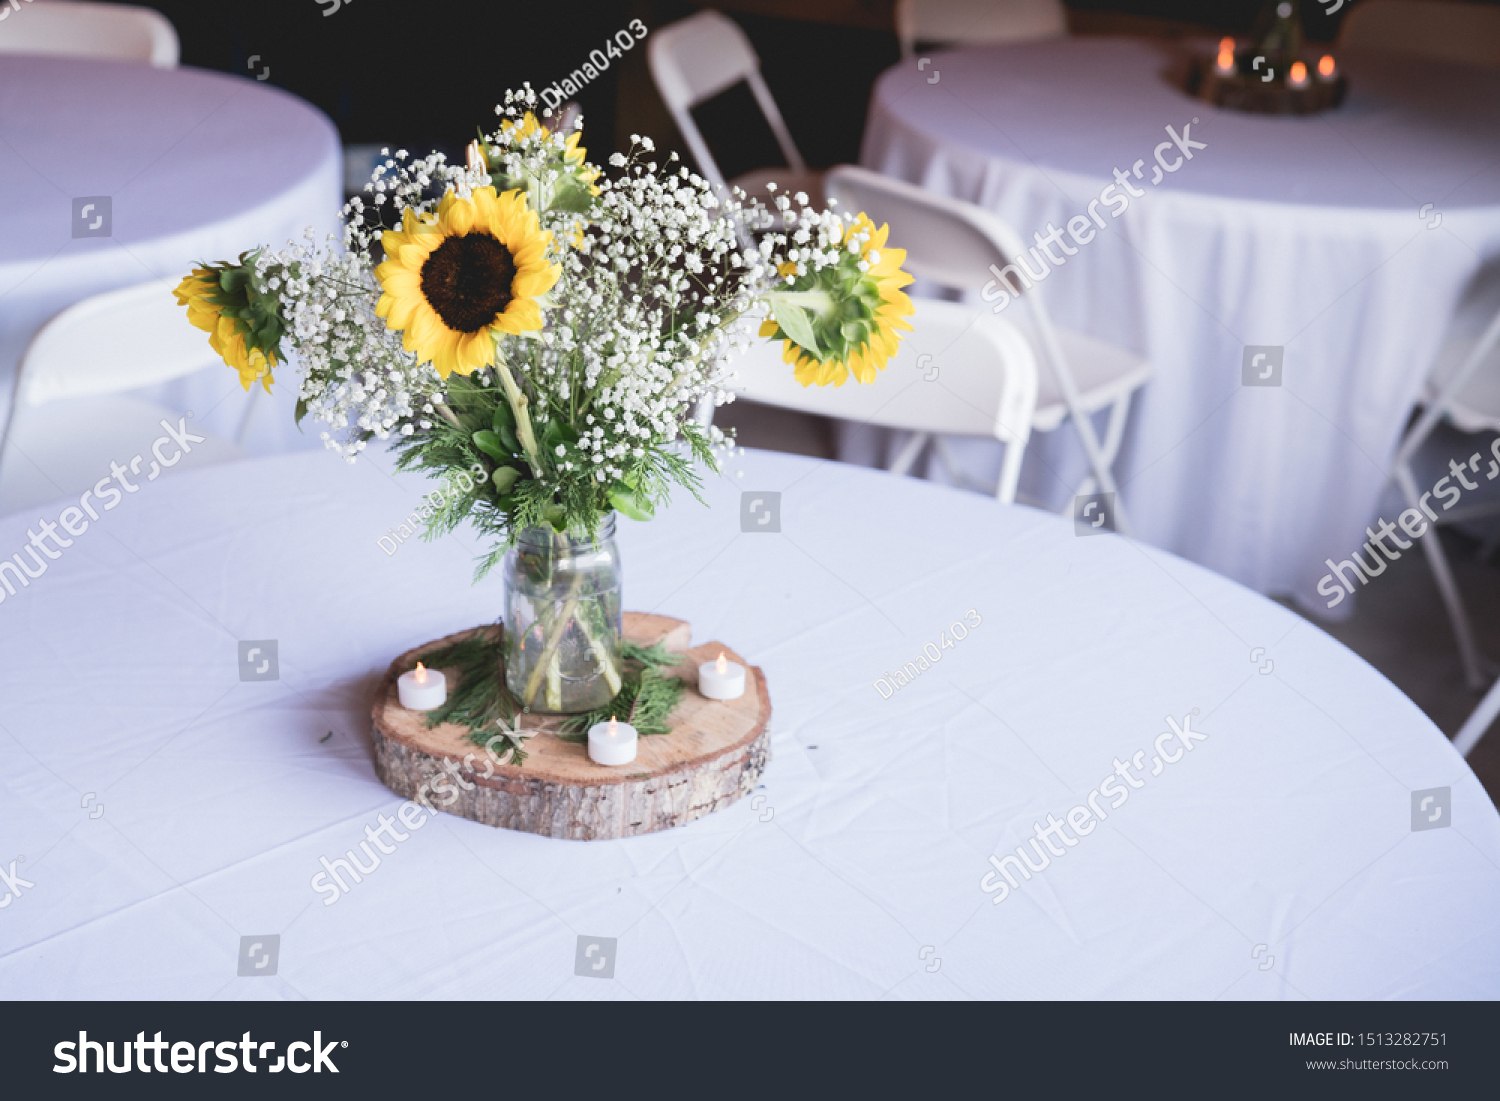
(422,689)
(612,743)
(721,679)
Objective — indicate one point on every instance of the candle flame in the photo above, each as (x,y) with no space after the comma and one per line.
(421,674)
(1299,72)
(1226,60)
(1325,65)
(721,665)
(1226,45)
(614,727)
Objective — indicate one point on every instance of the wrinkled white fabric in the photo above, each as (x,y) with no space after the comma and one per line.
(855,871)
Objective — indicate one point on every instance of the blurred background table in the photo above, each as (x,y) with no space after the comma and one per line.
(1276,860)
(1295,232)
(183,165)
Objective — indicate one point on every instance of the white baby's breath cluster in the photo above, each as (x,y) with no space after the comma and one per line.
(661,280)
(356,378)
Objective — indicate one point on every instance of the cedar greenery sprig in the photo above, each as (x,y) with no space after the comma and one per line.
(480,698)
(481,702)
(646,698)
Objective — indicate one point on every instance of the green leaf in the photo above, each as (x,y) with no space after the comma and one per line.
(630,502)
(508,438)
(505,417)
(491,445)
(573,199)
(556,432)
(504,478)
(794,322)
(301,410)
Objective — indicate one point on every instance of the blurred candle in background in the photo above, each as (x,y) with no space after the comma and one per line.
(1226,56)
(1326,68)
(1297,78)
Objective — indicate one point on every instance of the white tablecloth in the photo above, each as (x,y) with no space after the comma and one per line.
(1297,232)
(196,165)
(1276,859)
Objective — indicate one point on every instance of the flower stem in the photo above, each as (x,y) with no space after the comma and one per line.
(553,640)
(518,404)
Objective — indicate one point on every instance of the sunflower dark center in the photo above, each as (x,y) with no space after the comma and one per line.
(467,280)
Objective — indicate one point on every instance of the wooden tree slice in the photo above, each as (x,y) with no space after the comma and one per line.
(715,754)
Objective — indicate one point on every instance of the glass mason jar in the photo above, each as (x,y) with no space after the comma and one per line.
(562,619)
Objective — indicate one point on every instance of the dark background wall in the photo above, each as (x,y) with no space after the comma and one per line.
(426,74)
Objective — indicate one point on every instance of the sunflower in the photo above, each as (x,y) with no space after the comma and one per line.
(455,280)
(858,332)
(206,301)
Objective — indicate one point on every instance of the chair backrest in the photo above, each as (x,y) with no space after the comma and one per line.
(955,372)
(112,342)
(977,22)
(956,244)
(120,32)
(947,240)
(1464,385)
(1440,29)
(695,59)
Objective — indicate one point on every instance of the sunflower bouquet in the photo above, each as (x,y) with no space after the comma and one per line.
(527,315)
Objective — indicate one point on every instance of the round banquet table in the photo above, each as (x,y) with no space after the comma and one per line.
(1296,232)
(1285,834)
(194,166)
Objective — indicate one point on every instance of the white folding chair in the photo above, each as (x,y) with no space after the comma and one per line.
(1463,389)
(1473,729)
(956,244)
(69,420)
(985,384)
(694,60)
(119,32)
(1438,29)
(977,22)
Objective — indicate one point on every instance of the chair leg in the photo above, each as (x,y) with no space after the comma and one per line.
(1114,434)
(909,453)
(1468,736)
(703,412)
(1010,472)
(1463,634)
(954,468)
